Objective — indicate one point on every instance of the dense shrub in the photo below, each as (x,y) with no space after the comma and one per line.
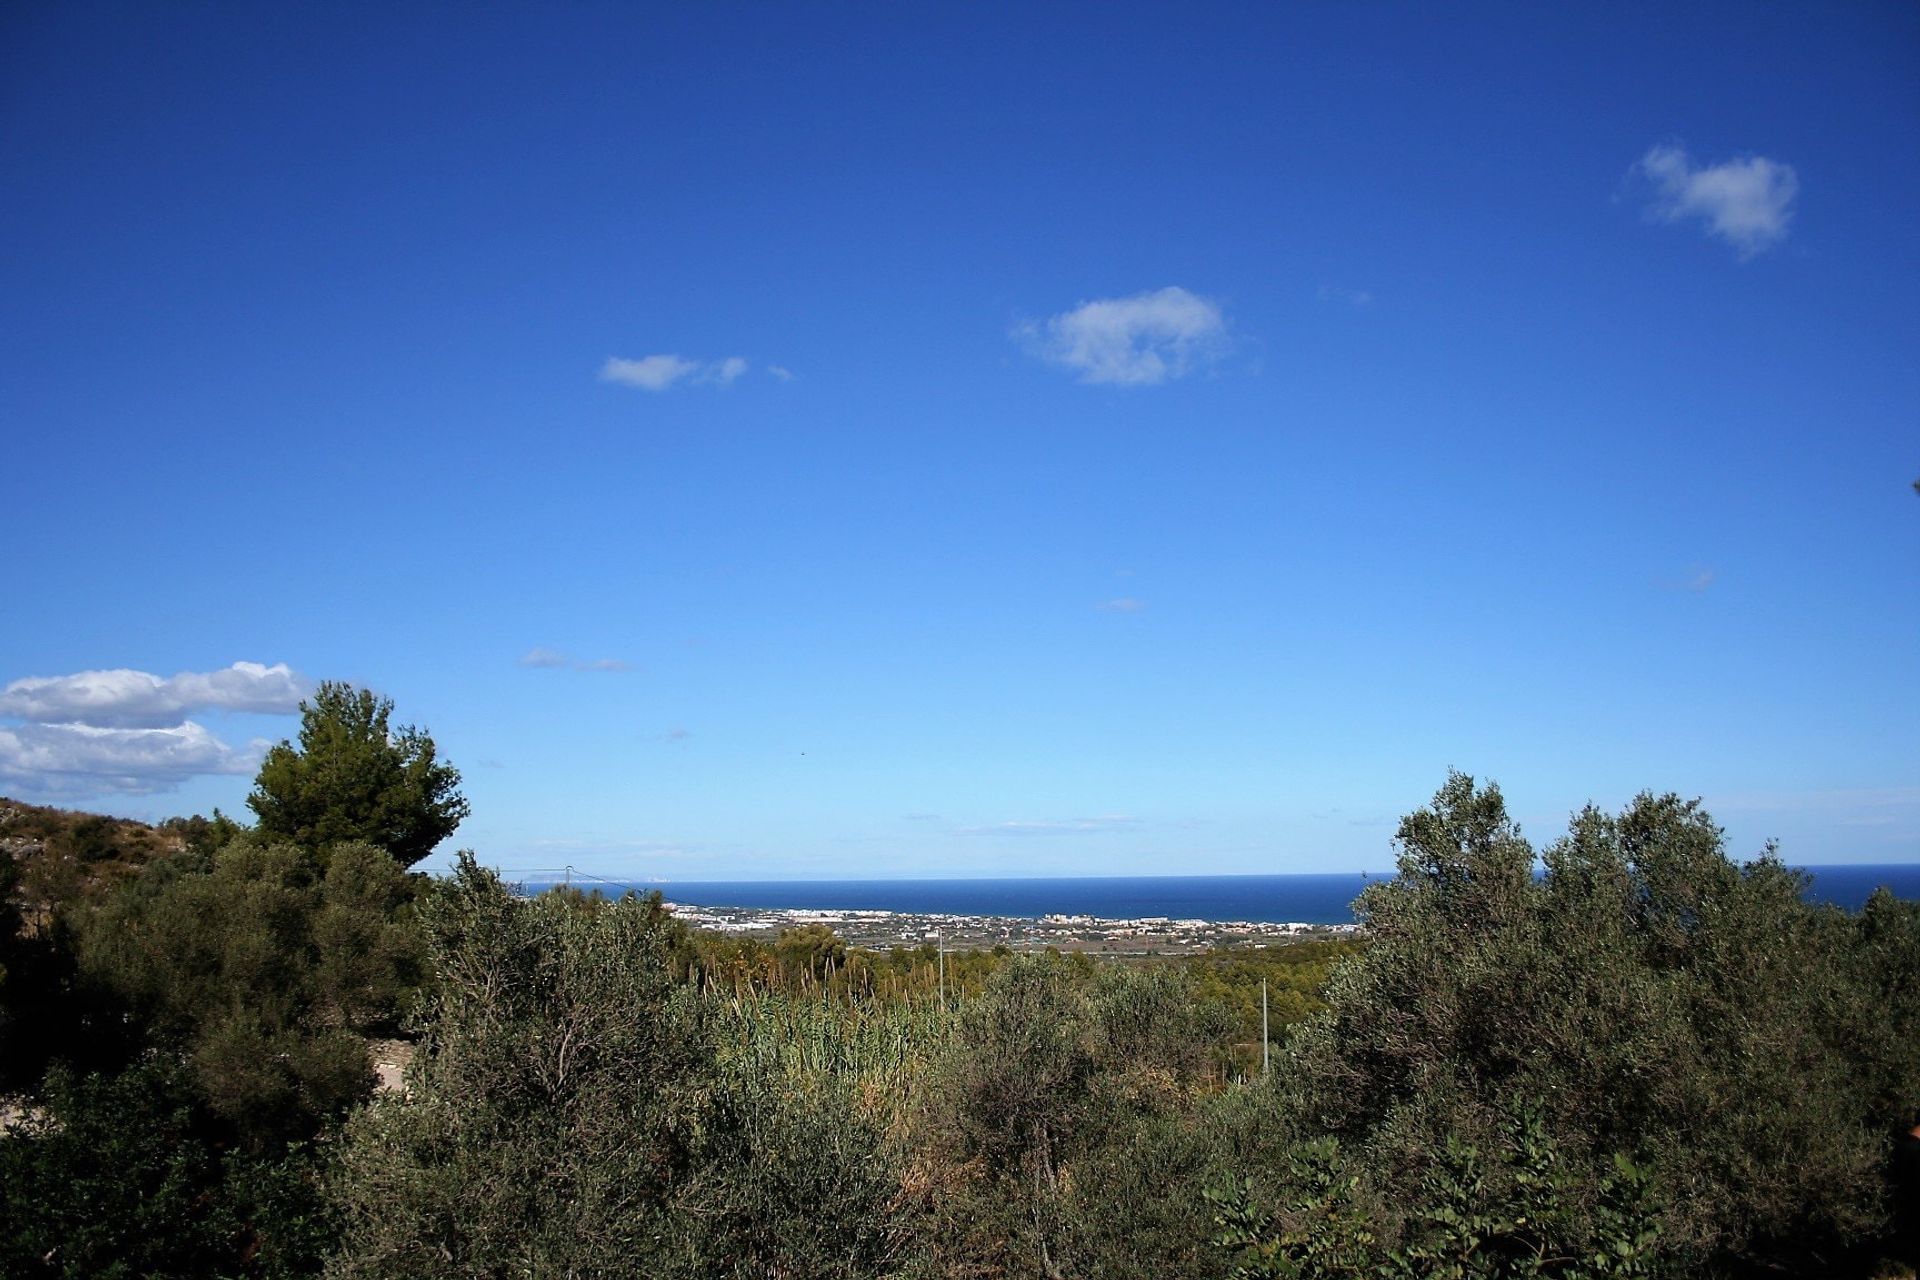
(570,1113)
(113,1177)
(264,971)
(1059,1118)
(1655,1000)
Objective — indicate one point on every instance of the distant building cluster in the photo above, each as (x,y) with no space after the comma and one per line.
(882,929)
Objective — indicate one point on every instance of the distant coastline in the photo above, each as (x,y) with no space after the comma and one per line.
(1323,899)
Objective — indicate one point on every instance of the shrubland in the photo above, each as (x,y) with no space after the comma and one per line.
(1625,1054)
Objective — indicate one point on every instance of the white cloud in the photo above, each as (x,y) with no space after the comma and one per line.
(781,372)
(1351,297)
(1136,341)
(662,372)
(1122,604)
(81,759)
(553,659)
(1746,202)
(138,699)
(1696,579)
(649,373)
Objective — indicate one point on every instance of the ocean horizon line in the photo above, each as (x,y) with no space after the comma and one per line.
(1275,897)
(1813,868)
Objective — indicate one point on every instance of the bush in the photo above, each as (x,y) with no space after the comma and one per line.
(265,972)
(1654,997)
(552,1104)
(114,1178)
(1060,1118)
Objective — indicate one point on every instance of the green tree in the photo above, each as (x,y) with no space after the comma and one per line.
(1746,1049)
(354,778)
(1062,1117)
(112,1177)
(552,1105)
(262,974)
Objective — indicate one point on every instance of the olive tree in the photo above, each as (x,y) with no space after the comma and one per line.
(1647,998)
(548,1118)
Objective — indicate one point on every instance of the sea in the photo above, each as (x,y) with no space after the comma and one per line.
(1303,899)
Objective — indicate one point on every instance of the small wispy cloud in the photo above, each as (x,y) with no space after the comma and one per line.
(1346,297)
(1695,580)
(1053,827)
(665,371)
(1136,341)
(554,660)
(781,372)
(1747,202)
(675,734)
(1122,604)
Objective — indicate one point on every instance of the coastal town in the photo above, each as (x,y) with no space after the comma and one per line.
(1145,935)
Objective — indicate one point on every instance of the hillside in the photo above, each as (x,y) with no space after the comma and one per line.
(63,855)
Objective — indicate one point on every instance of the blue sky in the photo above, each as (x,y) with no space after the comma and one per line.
(791,440)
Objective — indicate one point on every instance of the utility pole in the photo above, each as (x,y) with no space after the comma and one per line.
(1266,1046)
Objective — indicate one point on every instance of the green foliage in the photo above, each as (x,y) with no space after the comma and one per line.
(1322,1230)
(813,959)
(809,954)
(879,1048)
(264,972)
(1662,999)
(1648,1061)
(1525,1215)
(551,1106)
(114,1179)
(1053,1088)
(792,1176)
(202,837)
(1295,975)
(64,858)
(1520,1214)
(354,779)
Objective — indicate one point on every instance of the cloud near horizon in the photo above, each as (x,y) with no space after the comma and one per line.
(1137,341)
(554,660)
(665,371)
(1054,827)
(1747,202)
(127,731)
(80,759)
(125,699)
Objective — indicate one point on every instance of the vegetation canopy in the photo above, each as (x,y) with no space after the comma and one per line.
(1624,1055)
(354,778)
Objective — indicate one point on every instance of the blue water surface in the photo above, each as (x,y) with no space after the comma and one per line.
(1305,899)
